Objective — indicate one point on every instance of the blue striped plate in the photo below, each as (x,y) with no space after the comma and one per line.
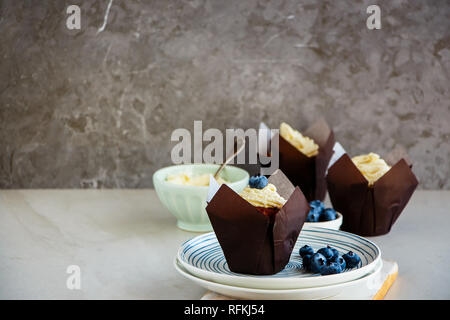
(203,257)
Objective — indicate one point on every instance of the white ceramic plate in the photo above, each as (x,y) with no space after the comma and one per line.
(333,224)
(203,257)
(362,288)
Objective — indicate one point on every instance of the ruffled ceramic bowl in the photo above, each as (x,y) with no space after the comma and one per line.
(187,203)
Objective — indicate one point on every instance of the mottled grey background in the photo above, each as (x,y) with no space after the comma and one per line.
(96,107)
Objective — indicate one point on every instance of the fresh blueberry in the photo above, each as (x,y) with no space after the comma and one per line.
(318,261)
(335,253)
(306,250)
(313,216)
(352,259)
(326,252)
(330,268)
(307,262)
(318,205)
(328,215)
(340,261)
(258,182)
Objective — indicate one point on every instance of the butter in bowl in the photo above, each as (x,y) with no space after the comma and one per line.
(183,190)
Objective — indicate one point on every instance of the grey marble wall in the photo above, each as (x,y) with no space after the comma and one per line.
(96,107)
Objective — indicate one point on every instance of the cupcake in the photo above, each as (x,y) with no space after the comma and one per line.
(257,229)
(370,192)
(304,157)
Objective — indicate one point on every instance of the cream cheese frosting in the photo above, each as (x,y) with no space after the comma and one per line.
(304,144)
(266,197)
(371,166)
(188,180)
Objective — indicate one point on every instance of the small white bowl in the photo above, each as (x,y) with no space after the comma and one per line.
(188,203)
(333,224)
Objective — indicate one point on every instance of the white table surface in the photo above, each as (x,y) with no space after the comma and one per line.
(124,242)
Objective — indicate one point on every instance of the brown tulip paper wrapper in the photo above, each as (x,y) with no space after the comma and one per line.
(309,172)
(251,242)
(370,210)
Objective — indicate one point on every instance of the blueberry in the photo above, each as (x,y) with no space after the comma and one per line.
(340,261)
(330,268)
(318,205)
(307,262)
(306,250)
(326,252)
(328,215)
(313,216)
(352,259)
(318,261)
(258,182)
(335,253)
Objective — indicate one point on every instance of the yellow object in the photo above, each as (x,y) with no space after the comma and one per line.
(304,144)
(371,166)
(266,197)
(185,179)
(387,284)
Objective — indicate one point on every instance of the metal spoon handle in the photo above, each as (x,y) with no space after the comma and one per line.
(231,157)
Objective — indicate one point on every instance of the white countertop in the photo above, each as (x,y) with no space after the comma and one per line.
(124,242)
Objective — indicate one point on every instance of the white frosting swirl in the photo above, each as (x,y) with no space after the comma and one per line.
(371,166)
(266,197)
(304,144)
